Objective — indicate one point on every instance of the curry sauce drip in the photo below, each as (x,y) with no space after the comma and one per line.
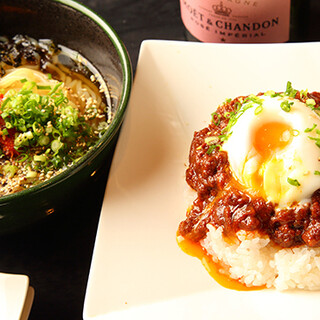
(222,202)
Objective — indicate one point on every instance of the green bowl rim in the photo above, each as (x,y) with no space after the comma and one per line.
(118,118)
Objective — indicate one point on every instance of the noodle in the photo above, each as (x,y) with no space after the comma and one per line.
(50,116)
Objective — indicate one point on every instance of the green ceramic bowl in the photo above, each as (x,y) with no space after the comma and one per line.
(70,24)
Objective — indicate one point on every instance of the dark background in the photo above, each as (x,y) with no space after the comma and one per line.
(56,253)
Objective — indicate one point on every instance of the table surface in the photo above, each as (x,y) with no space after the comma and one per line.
(56,253)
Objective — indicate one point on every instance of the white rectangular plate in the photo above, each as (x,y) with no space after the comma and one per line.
(14,297)
(138,271)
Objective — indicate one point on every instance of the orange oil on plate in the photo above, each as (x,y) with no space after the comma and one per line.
(195,250)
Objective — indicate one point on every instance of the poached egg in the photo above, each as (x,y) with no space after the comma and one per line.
(274,148)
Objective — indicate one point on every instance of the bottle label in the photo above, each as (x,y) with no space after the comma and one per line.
(237,21)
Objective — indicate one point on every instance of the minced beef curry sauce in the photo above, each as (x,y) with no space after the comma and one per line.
(221,201)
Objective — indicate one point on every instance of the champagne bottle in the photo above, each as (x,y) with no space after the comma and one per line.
(244,21)
(299,21)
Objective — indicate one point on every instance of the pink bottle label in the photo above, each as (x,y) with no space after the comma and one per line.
(237,21)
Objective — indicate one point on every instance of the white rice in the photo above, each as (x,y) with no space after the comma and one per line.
(256,261)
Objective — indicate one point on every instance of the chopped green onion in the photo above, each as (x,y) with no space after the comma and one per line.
(271,94)
(9,125)
(286,105)
(4,103)
(9,170)
(310,129)
(258,110)
(216,115)
(47,123)
(317,141)
(41,158)
(31,174)
(60,99)
(56,145)
(255,99)
(295,132)
(212,147)
(211,140)
(37,128)
(55,88)
(310,103)
(290,92)
(317,173)
(28,135)
(43,87)
(225,137)
(293,182)
(43,140)
(303,93)
(23,157)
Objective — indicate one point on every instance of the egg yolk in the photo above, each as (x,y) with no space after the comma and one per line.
(271,137)
(268,139)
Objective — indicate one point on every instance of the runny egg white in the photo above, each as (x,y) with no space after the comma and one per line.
(274,151)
